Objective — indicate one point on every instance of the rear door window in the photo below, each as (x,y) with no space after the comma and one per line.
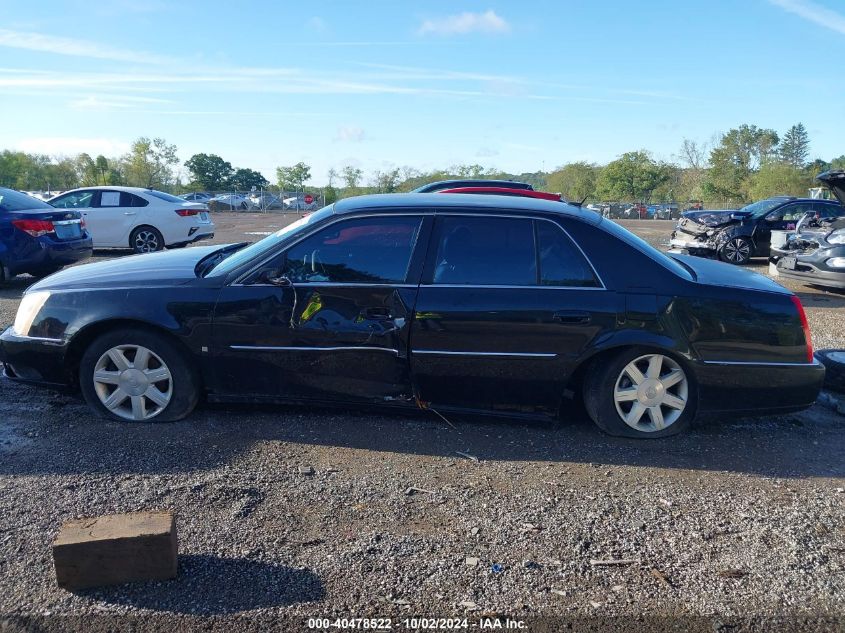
(485,251)
(561,262)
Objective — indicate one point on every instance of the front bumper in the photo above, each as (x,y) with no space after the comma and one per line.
(811,268)
(34,360)
(757,388)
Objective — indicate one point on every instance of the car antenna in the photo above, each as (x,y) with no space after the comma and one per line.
(579,204)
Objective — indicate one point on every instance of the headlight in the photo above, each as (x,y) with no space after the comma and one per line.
(837,237)
(29,308)
(836,262)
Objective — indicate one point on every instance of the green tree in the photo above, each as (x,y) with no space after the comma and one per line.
(86,170)
(779,178)
(149,163)
(293,178)
(351,176)
(795,146)
(387,181)
(209,171)
(838,163)
(739,154)
(575,181)
(632,177)
(245,179)
(103,169)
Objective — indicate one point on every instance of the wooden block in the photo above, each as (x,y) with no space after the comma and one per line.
(115,549)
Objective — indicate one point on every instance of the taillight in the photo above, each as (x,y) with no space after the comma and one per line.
(186,212)
(808,340)
(35,228)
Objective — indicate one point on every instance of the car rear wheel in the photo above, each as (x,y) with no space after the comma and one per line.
(737,250)
(138,376)
(146,239)
(640,393)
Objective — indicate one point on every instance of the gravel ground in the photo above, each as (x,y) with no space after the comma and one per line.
(722,529)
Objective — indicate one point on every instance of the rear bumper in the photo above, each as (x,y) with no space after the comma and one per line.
(757,388)
(33,360)
(45,253)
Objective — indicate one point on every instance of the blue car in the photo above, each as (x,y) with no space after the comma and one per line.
(38,239)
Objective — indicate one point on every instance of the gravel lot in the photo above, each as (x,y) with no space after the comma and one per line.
(723,529)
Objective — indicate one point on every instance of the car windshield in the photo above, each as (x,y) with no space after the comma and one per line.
(268,243)
(164,196)
(761,207)
(641,245)
(11,200)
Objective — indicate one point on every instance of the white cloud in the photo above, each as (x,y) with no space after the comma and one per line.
(111,102)
(462,23)
(75,47)
(814,13)
(317,24)
(350,134)
(69,145)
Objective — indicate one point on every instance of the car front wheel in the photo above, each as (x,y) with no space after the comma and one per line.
(737,250)
(641,394)
(138,376)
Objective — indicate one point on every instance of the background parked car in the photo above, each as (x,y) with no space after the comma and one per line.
(266,201)
(301,202)
(470,182)
(815,254)
(230,202)
(36,238)
(735,236)
(196,196)
(144,220)
(670,211)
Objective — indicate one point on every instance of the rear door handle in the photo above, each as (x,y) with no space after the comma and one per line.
(576,317)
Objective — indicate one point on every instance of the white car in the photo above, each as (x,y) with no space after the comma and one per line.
(233,201)
(144,220)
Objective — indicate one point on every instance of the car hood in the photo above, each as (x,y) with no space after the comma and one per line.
(174,267)
(712,218)
(714,273)
(835,181)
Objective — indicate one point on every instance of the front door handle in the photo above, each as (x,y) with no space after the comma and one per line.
(572,317)
(128,213)
(378,314)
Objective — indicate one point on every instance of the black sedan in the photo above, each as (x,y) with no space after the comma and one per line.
(506,306)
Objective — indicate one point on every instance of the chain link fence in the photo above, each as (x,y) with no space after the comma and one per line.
(260,200)
(661,211)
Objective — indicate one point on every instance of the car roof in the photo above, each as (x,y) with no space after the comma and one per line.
(460,201)
(453,183)
(112,188)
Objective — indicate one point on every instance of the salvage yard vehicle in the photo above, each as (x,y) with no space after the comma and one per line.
(508,306)
(815,254)
(433,187)
(735,236)
(37,239)
(144,220)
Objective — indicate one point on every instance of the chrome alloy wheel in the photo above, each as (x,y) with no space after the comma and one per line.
(651,393)
(146,242)
(133,382)
(737,250)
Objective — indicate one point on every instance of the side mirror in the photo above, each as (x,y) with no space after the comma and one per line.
(282,281)
(274,278)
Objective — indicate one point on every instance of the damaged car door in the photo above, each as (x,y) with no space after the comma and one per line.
(328,318)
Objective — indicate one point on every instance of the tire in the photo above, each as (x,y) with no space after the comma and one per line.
(113,356)
(834,365)
(737,250)
(605,379)
(146,239)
